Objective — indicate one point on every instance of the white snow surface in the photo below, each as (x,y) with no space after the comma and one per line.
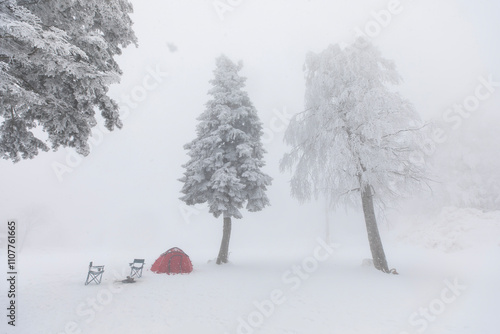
(333,293)
(121,202)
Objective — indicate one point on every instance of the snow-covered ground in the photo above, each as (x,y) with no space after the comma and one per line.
(121,201)
(447,284)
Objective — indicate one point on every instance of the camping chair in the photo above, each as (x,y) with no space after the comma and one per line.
(136,268)
(95,274)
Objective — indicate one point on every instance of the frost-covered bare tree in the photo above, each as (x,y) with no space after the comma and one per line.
(226,156)
(356,137)
(56,64)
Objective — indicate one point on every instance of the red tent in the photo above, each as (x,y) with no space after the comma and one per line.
(173,261)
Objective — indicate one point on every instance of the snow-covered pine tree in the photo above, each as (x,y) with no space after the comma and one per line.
(356,138)
(56,64)
(226,157)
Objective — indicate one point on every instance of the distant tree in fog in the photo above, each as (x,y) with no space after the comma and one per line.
(467,164)
(356,138)
(226,156)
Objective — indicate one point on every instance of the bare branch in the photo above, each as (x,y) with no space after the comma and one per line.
(405,130)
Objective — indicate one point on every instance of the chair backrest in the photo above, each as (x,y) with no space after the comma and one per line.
(139,261)
(98,268)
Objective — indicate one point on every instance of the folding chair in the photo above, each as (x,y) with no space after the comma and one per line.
(95,274)
(136,268)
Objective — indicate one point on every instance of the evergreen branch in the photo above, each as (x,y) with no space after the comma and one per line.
(28,3)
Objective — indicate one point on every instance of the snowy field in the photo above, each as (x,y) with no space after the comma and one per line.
(293,269)
(448,283)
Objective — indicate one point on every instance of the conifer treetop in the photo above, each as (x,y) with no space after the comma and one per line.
(226,157)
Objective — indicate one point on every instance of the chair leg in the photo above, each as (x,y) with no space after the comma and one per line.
(90,278)
(93,277)
(136,272)
(87,280)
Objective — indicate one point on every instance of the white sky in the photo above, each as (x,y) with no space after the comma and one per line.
(129,182)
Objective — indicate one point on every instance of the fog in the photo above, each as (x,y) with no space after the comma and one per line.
(125,193)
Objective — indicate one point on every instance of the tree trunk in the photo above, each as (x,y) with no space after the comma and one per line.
(224,246)
(327,221)
(376,247)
